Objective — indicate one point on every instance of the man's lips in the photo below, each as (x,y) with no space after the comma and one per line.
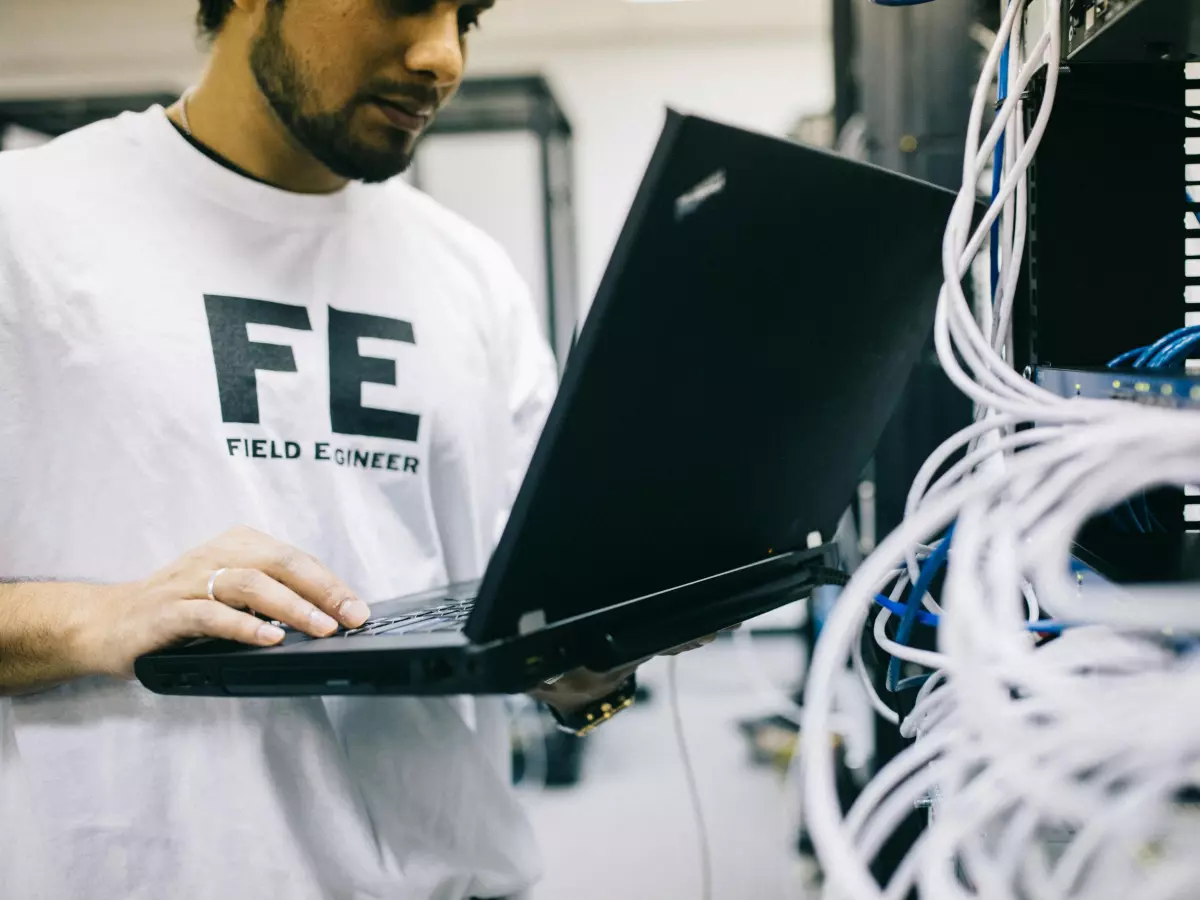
(406,116)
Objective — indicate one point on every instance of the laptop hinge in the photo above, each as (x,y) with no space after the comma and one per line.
(531,621)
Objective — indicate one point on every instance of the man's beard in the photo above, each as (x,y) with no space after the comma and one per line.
(326,135)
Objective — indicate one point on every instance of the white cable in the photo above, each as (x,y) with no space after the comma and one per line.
(689,774)
(1084,740)
(999,575)
(902,651)
(864,678)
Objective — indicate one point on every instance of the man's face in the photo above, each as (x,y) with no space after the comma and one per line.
(357,81)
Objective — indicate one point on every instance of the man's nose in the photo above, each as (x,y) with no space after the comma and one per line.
(435,45)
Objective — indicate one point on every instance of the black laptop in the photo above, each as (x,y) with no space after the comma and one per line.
(759,318)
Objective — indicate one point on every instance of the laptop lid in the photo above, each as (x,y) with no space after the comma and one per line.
(760,315)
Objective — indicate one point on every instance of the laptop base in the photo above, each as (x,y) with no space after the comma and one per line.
(447,663)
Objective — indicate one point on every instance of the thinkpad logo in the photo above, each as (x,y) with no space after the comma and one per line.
(688,203)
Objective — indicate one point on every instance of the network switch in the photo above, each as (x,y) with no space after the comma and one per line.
(1129,30)
(1174,390)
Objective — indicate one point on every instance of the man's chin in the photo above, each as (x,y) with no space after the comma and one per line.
(369,168)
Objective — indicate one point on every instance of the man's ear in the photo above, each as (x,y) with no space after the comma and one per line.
(252,10)
(247,15)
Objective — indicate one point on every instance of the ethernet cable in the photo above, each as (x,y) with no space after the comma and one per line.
(1028,735)
(992,717)
(1161,353)
(924,581)
(1038,626)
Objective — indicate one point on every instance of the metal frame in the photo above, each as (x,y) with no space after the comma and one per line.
(1104,267)
(526,103)
(54,117)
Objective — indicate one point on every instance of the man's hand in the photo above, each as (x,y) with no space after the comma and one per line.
(258,574)
(575,690)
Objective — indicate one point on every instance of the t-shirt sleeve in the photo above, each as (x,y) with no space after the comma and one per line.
(16,293)
(530,381)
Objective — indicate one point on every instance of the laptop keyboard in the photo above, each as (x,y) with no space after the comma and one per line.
(450,615)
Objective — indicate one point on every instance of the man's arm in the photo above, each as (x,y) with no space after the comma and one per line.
(55,632)
(40,634)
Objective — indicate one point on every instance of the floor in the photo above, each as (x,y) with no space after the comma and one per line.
(627,831)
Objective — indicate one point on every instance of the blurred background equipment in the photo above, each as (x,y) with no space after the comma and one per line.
(501,156)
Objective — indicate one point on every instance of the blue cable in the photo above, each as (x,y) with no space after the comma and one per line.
(1127,357)
(1048,626)
(997,168)
(1163,353)
(924,617)
(1163,342)
(911,684)
(1137,523)
(928,572)
(1172,353)
(997,165)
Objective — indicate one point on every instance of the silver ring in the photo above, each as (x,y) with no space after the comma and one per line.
(553,680)
(212,583)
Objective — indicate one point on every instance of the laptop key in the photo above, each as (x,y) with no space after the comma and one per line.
(444,617)
(423,627)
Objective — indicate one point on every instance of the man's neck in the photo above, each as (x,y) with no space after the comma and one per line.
(228,114)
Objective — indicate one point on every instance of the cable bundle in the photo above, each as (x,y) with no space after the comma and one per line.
(1053,768)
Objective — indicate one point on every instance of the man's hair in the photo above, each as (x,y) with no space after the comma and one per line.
(212,16)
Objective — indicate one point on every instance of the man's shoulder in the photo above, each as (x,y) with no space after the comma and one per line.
(80,156)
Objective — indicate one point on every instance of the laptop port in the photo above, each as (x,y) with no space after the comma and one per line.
(437,669)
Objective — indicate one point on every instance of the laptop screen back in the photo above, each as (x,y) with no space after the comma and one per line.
(759,318)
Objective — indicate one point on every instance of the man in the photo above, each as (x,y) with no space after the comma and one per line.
(224,319)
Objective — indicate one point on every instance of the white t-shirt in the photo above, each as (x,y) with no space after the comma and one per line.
(360,375)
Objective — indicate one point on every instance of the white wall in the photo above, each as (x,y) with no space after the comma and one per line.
(494,180)
(614,92)
(615,97)
(54,48)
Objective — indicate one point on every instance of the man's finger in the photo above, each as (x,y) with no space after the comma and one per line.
(204,618)
(306,577)
(691,645)
(252,589)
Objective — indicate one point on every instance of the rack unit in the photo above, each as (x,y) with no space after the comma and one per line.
(1111,261)
(1105,266)
(1130,30)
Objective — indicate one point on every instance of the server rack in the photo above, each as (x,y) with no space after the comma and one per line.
(1113,253)
(1113,258)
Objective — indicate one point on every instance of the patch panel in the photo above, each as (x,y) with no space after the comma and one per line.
(1172,390)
